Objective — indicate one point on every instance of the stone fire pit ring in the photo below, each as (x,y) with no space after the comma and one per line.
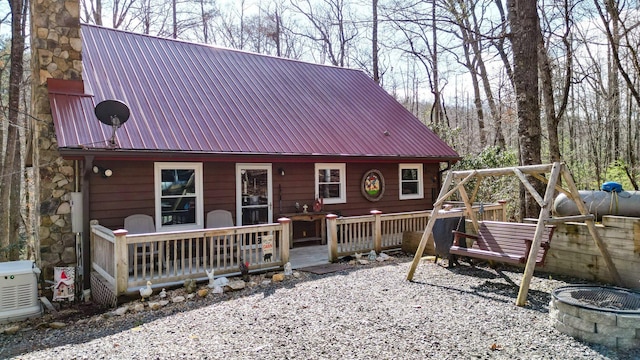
(597,314)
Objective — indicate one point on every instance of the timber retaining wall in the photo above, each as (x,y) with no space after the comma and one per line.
(573,251)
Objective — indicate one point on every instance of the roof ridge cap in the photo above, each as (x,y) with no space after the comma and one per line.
(213,46)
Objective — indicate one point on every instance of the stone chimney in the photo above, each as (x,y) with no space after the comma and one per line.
(56,53)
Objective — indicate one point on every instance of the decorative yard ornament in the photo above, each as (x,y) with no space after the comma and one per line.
(190,285)
(372,255)
(287,269)
(317,206)
(145,292)
(211,278)
(64,288)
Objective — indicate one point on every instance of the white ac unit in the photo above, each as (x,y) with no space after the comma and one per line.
(19,291)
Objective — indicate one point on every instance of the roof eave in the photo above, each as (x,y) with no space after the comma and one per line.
(126,154)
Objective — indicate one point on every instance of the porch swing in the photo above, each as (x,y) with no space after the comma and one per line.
(530,240)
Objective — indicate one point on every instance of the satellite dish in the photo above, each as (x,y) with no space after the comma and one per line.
(113,113)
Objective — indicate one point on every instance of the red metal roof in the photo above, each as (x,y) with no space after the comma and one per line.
(187,97)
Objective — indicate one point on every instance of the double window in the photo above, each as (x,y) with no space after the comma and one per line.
(331,183)
(411,184)
(179,204)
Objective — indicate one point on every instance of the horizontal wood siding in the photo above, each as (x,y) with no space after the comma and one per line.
(357,204)
(297,185)
(219,187)
(130,190)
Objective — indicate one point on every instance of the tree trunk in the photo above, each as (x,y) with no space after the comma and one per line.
(614,85)
(523,18)
(10,179)
(374,37)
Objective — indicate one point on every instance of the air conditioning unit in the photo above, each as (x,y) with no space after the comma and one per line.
(19,291)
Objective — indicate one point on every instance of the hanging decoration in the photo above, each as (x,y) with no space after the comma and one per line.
(372,186)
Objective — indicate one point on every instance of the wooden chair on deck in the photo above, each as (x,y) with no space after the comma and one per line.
(139,224)
(221,219)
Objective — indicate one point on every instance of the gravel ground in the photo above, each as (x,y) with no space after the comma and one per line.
(364,312)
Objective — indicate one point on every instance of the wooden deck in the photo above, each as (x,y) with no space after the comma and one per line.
(125,263)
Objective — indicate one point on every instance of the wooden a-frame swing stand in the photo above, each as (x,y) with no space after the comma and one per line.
(458,179)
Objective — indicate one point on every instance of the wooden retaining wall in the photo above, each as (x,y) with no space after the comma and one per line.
(573,252)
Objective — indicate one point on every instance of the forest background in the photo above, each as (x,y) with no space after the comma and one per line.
(505,83)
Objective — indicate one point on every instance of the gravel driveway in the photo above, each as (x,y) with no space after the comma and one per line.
(364,312)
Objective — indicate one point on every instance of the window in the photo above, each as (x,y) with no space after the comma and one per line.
(331,183)
(411,185)
(178,196)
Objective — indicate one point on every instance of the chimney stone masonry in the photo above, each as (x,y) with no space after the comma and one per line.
(55,54)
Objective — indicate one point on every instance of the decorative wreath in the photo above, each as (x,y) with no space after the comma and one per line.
(372,186)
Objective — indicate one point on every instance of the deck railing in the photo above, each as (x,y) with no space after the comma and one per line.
(361,234)
(127,262)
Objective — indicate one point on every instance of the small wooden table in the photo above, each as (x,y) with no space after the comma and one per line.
(317,217)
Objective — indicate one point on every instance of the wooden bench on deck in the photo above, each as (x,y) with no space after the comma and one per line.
(503,242)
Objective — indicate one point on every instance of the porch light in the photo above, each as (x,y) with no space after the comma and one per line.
(281,171)
(104,172)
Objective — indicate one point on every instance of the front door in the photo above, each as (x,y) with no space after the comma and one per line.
(253,194)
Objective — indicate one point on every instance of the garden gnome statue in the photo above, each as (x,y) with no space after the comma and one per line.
(287,269)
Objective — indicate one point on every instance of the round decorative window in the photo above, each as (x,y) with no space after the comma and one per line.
(372,186)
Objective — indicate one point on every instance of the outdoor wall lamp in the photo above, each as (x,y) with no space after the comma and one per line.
(281,171)
(104,172)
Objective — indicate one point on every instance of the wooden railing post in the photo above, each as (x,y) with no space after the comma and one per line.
(332,236)
(121,261)
(503,204)
(377,231)
(284,239)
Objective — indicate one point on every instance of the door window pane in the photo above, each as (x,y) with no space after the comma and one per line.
(255,196)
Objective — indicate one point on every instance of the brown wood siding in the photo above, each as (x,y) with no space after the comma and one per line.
(298,185)
(219,187)
(130,190)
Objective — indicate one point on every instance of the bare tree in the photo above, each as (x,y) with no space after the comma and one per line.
(328,27)
(11,174)
(374,41)
(552,115)
(416,23)
(92,12)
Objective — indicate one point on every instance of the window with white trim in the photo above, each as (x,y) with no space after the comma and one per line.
(331,183)
(179,204)
(411,184)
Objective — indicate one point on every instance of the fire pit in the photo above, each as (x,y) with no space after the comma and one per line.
(597,314)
